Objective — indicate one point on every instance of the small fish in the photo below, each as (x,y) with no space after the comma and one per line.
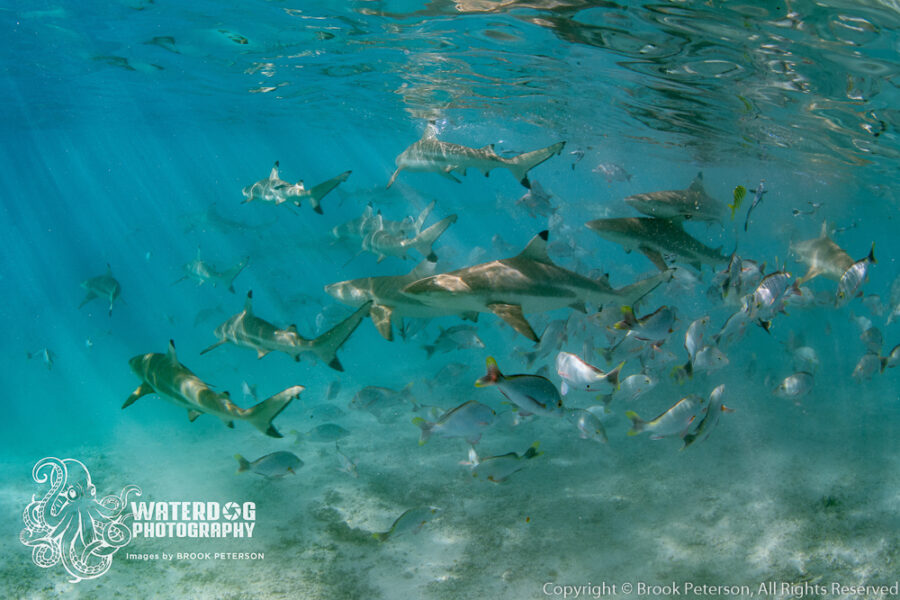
(271,466)
(531,393)
(733,330)
(636,385)
(498,469)
(411,521)
(467,421)
(449,375)
(656,357)
(348,465)
(873,339)
(674,421)
(555,334)
(873,303)
(588,425)
(709,359)
(714,410)
(770,296)
(537,201)
(655,327)
(45,354)
(327,432)
(334,388)
(385,404)
(612,172)
(579,375)
(739,193)
(868,365)
(458,337)
(805,359)
(693,337)
(759,192)
(795,386)
(578,154)
(853,278)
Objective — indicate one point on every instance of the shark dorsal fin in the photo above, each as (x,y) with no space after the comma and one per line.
(697,183)
(489,150)
(537,248)
(367,213)
(430,132)
(273,174)
(424,269)
(823,233)
(420,221)
(292,328)
(108,270)
(248,304)
(170,353)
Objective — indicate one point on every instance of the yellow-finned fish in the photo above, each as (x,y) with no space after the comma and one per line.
(739,193)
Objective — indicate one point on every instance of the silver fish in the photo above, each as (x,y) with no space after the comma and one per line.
(579,375)
(612,172)
(458,337)
(45,354)
(411,521)
(853,278)
(795,386)
(537,201)
(636,385)
(714,411)
(327,432)
(531,393)
(760,191)
(271,466)
(385,404)
(676,420)
(204,272)
(588,425)
(348,465)
(868,365)
(467,421)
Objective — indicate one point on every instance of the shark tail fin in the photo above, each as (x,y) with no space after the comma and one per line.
(326,345)
(243,463)
(521,164)
(261,415)
(234,272)
(320,191)
(493,375)
(424,241)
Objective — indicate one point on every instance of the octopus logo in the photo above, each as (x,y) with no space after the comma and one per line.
(69,524)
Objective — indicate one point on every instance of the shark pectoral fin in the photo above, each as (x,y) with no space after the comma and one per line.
(142,390)
(655,257)
(381,317)
(512,314)
(393,178)
(193,414)
(88,297)
(446,173)
(213,347)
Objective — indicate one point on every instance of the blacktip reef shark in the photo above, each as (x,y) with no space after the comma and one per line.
(275,190)
(657,238)
(102,286)
(691,203)
(247,330)
(822,256)
(386,299)
(203,272)
(162,374)
(526,283)
(383,243)
(430,155)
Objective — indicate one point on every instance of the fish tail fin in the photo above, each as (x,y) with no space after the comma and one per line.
(243,463)
(326,345)
(473,457)
(532,451)
(424,240)
(320,191)
(382,537)
(521,164)
(613,376)
(429,348)
(682,372)
(628,319)
(493,375)
(871,256)
(884,363)
(637,423)
(261,415)
(426,428)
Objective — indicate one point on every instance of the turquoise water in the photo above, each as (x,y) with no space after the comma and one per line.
(131,127)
